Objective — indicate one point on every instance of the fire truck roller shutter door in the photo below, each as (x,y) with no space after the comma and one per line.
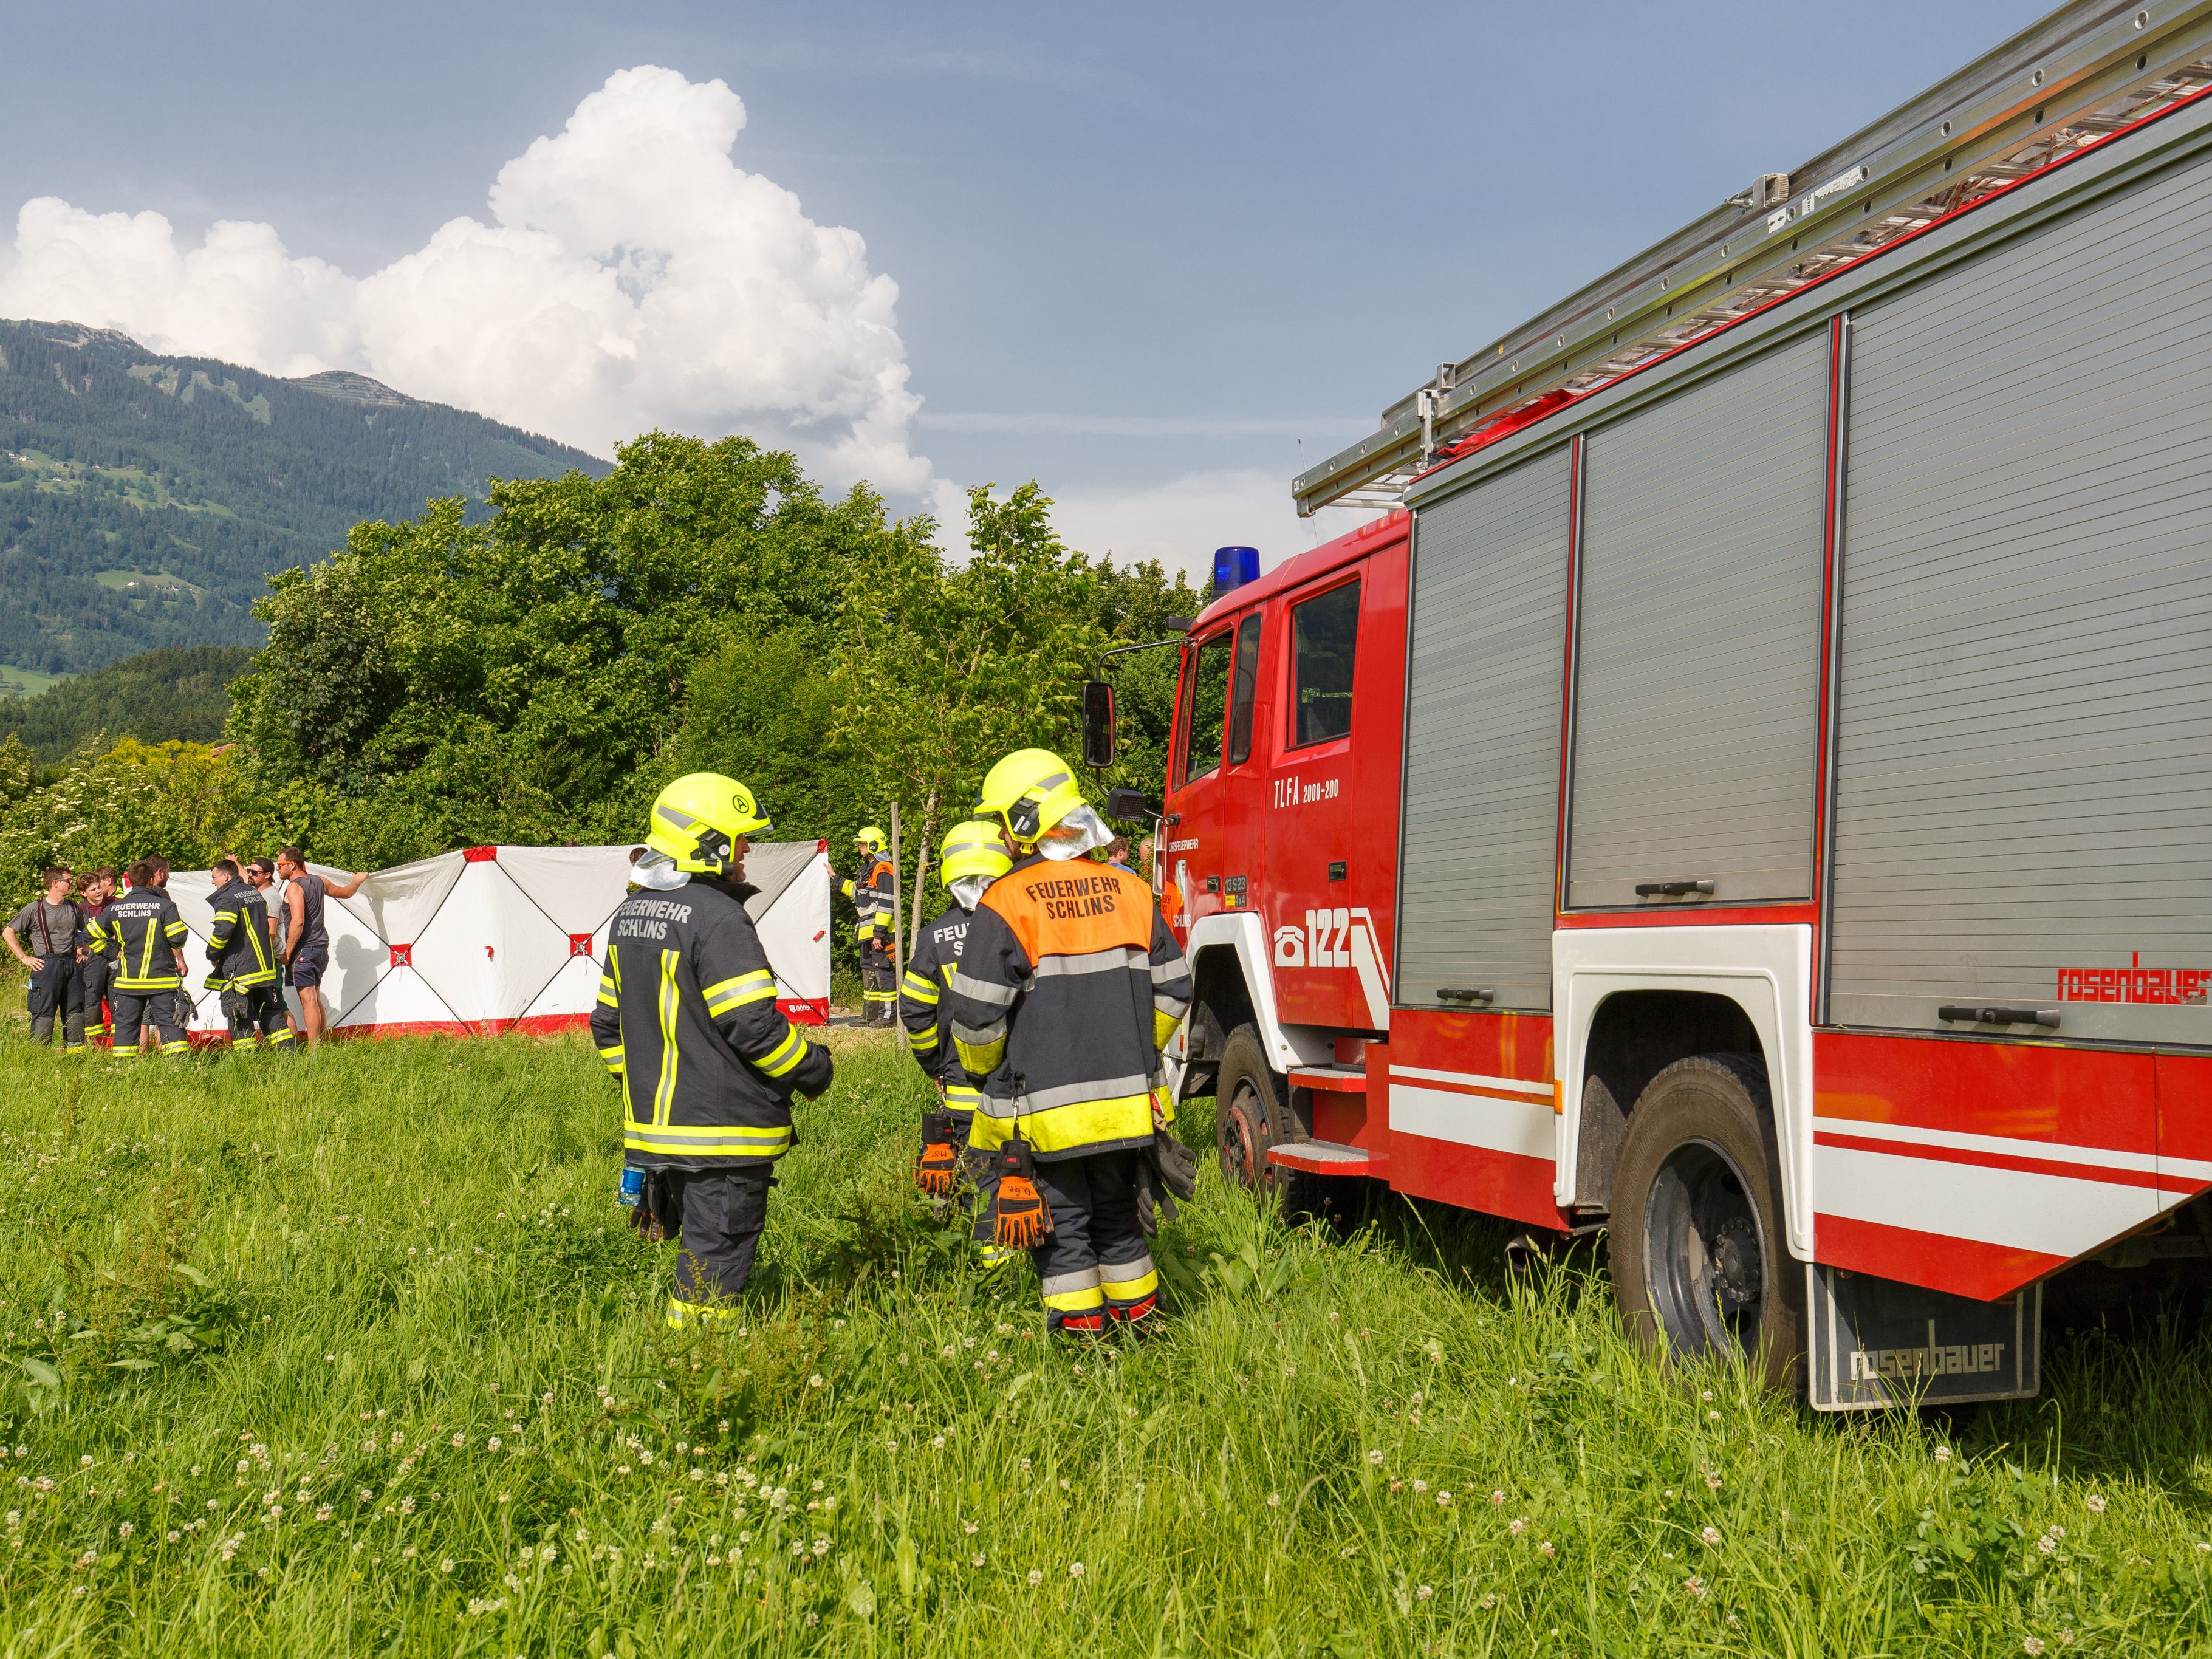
(1482,737)
(2027,644)
(1698,624)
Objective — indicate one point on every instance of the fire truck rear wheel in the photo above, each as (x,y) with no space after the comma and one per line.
(1251,1115)
(1700,1267)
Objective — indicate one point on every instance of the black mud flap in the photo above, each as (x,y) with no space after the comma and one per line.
(1874,1342)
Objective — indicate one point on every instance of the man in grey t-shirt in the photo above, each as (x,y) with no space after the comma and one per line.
(46,936)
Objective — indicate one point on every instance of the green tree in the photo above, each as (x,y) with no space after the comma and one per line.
(944,668)
(183,800)
(522,679)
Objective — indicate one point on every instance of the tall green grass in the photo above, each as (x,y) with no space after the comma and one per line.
(354,1353)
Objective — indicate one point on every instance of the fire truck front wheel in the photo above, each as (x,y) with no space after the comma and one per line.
(1252,1114)
(1700,1266)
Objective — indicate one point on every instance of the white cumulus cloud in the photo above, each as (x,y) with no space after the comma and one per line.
(630,275)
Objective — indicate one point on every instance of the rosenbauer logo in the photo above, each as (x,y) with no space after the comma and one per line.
(2170,987)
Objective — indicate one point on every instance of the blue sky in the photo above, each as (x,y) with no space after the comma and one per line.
(1141,251)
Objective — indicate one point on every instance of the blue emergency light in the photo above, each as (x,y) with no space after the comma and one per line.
(1233,567)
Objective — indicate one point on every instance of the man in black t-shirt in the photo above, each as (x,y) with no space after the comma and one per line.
(51,929)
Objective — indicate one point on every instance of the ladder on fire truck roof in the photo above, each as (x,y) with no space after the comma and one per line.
(2086,70)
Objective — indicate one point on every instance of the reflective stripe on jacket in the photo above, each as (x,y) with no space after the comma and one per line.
(871,898)
(139,933)
(242,946)
(1068,987)
(921,996)
(687,1022)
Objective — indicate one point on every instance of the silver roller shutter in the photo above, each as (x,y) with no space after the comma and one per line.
(1697,674)
(2025,762)
(1482,738)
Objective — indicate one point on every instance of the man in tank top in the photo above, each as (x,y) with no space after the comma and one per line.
(306,941)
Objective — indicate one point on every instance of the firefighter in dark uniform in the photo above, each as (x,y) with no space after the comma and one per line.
(975,854)
(875,929)
(1069,985)
(687,1024)
(242,964)
(141,937)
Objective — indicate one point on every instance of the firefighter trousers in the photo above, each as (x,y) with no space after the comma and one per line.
(155,1008)
(257,1014)
(54,996)
(878,986)
(722,1213)
(983,1173)
(92,976)
(1094,1266)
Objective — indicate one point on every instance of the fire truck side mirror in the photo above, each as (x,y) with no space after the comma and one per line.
(1098,723)
(1126,805)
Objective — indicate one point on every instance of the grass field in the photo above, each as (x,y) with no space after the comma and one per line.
(27,681)
(354,1353)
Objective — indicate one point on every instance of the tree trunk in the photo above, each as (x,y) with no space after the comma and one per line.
(921,868)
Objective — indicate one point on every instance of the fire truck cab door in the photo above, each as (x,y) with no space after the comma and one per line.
(1192,852)
(1325,882)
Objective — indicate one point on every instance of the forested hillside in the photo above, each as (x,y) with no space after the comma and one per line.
(536,675)
(144,499)
(176,692)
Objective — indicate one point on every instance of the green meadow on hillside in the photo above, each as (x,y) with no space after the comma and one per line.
(355,1353)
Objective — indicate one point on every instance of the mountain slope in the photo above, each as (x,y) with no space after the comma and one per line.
(144,498)
(175,692)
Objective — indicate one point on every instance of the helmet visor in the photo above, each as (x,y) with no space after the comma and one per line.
(968,892)
(1079,832)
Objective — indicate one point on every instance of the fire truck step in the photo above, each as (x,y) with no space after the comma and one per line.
(1334,1078)
(1328,1158)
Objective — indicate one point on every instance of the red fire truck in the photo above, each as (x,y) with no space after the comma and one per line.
(1752,787)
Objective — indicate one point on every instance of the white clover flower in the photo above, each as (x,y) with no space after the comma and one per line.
(2096,1505)
(1375,1458)
(1423,1593)
(1036,1577)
